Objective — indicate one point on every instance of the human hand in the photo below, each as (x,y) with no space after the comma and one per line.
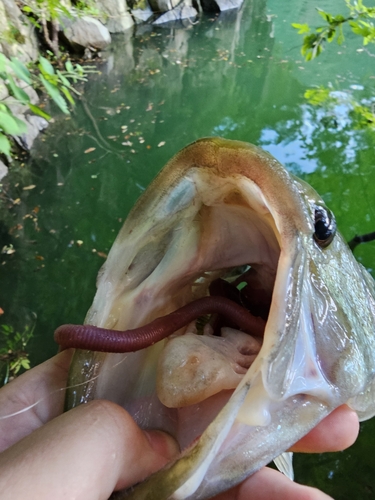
(96,448)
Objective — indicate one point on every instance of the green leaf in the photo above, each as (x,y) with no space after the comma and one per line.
(34,23)
(3,63)
(27,9)
(331,34)
(325,15)
(68,95)
(20,70)
(340,38)
(37,111)
(17,92)
(54,93)
(339,19)
(302,28)
(15,366)
(79,69)
(63,78)
(69,66)
(361,28)
(11,125)
(45,66)
(65,11)
(25,364)
(21,124)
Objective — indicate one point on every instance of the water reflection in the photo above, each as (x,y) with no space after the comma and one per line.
(240,78)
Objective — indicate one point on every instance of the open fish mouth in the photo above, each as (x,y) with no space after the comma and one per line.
(227,276)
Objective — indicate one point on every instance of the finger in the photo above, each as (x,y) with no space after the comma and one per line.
(84,453)
(33,398)
(335,433)
(268,483)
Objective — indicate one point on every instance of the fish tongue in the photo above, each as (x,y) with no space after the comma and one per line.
(193,367)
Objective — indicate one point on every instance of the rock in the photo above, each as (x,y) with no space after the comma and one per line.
(35,124)
(17,35)
(115,15)
(3,170)
(82,32)
(229,4)
(17,107)
(165,5)
(142,12)
(182,11)
(3,91)
(220,5)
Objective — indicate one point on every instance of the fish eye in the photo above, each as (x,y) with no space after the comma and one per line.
(325,226)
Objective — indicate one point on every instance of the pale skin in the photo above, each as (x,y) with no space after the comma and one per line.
(96,448)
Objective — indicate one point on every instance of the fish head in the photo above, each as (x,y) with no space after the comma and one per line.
(226,210)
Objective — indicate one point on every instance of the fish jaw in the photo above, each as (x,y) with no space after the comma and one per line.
(218,205)
(216,464)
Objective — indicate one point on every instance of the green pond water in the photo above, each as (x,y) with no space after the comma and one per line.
(240,76)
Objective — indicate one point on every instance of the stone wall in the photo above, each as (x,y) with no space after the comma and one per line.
(17,35)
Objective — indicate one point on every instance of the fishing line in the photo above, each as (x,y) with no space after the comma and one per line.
(33,405)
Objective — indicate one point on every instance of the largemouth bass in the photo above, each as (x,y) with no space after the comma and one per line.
(224,219)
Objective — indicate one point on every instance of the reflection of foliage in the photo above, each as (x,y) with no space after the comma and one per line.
(13,354)
(358,18)
(361,113)
(323,135)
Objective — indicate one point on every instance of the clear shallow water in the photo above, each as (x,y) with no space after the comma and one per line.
(240,76)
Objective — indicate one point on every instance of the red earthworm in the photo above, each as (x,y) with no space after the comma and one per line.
(101,339)
(252,297)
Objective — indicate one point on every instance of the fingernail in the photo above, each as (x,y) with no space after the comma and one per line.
(163,444)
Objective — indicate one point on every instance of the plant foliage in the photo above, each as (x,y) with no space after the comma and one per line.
(13,355)
(57,83)
(46,15)
(359,18)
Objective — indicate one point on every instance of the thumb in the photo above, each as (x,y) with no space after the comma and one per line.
(83,454)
